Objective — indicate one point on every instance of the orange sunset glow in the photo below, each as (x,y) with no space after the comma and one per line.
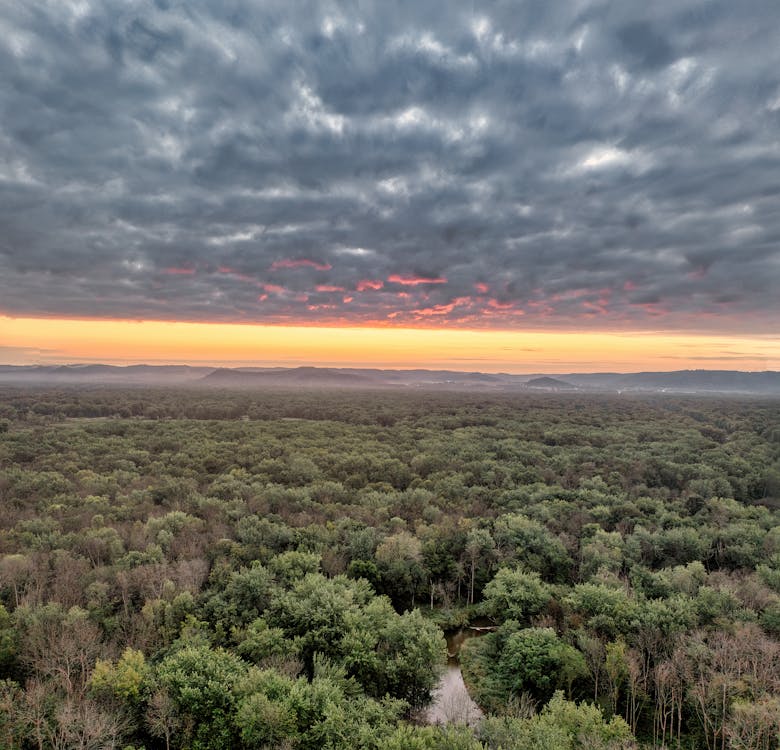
(37,340)
(394,187)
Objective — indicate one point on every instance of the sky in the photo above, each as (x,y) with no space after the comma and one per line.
(516,186)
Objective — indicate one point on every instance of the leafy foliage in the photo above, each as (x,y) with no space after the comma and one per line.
(213,569)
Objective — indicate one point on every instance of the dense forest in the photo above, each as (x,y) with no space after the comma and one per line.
(273,569)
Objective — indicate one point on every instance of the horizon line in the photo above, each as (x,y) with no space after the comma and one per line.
(194,365)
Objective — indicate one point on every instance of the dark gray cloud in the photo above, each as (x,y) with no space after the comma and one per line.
(565,165)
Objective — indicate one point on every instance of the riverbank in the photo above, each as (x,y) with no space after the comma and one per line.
(452,703)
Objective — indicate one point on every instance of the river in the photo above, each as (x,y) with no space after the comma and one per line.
(452,703)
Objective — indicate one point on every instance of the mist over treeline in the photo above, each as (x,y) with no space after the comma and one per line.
(253,378)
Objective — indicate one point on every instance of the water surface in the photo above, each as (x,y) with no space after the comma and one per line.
(452,703)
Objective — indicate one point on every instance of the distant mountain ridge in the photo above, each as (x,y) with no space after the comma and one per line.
(678,381)
(549,384)
(302,376)
(681,381)
(88,373)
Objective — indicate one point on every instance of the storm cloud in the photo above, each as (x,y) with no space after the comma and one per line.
(512,165)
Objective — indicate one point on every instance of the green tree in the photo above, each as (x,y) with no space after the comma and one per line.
(607,610)
(411,650)
(524,540)
(479,551)
(264,723)
(201,682)
(399,558)
(535,660)
(9,644)
(515,595)
(129,680)
(615,670)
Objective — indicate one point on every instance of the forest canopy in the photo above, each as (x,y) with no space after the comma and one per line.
(192,569)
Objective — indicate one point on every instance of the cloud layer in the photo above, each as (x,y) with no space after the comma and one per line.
(536,165)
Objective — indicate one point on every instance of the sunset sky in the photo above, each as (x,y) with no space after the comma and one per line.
(505,186)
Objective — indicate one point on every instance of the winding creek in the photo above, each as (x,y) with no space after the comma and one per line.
(452,703)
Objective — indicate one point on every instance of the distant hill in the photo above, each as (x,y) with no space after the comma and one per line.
(298,376)
(721,381)
(97,373)
(549,384)
(679,381)
(431,377)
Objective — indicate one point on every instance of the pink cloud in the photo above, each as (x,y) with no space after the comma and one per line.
(347,300)
(300,263)
(653,308)
(540,308)
(174,271)
(414,280)
(366,284)
(599,307)
(329,288)
(570,294)
(435,310)
(236,274)
(273,288)
(481,287)
(496,305)
(444,309)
